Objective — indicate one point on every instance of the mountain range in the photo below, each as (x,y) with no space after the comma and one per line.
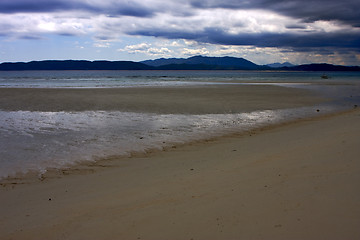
(206,62)
(192,63)
(279,65)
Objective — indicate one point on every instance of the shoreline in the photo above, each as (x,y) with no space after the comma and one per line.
(299,180)
(88,167)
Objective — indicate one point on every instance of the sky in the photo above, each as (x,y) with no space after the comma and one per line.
(262,31)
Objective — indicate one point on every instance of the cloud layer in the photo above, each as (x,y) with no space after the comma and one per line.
(306,10)
(293,25)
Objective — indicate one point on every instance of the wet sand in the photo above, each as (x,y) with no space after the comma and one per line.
(299,180)
(187,100)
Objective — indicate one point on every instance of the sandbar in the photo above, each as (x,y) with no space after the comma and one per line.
(163,100)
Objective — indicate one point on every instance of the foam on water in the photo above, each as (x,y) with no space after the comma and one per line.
(39,140)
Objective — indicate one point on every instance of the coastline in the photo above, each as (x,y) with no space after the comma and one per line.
(296,181)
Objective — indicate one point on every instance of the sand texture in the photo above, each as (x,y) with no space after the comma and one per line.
(296,181)
(166,100)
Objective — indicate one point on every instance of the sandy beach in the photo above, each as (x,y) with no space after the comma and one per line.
(299,180)
(165,100)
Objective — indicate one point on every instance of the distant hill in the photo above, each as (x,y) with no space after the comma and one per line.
(184,66)
(200,62)
(279,65)
(192,63)
(321,67)
(74,65)
(164,61)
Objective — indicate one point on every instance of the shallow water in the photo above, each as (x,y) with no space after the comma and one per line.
(39,140)
(96,79)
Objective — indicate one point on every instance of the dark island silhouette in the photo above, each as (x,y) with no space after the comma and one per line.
(73,65)
(206,63)
(192,63)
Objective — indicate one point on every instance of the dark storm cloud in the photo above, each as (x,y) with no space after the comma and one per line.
(346,11)
(306,42)
(126,8)
(204,21)
(30,37)
(132,10)
(295,26)
(313,40)
(35,6)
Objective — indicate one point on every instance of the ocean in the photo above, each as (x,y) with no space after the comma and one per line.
(39,140)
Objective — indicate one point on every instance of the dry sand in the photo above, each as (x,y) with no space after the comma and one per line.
(296,181)
(188,100)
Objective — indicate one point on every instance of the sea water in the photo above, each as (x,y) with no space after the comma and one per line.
(36,141)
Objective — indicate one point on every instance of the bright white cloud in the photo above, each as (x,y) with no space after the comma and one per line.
(141,47)
(147,49)
(192,52)
(102,44)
